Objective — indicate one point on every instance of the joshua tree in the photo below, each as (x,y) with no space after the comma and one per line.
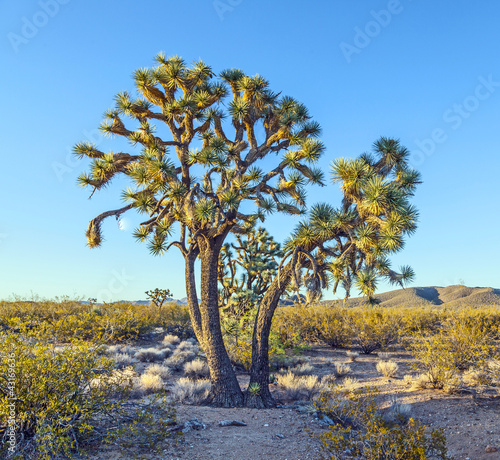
(202,189)
(347,245)
(245,275)
(159,296)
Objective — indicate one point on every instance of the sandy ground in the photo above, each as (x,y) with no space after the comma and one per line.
(471,424)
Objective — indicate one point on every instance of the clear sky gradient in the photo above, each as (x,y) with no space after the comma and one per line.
(425,72)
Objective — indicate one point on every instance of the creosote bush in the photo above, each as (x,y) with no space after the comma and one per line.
(64,396)
(71,319)
(361,431)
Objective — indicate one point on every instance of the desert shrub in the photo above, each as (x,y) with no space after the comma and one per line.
(387,368)
(281,361)
(331,326)
(150,355)
(493,367)
(474,377)
(342,369)
(71,319)
(329,379)
(470,342)
(170,339)
(197,369)
(352,355)
(63,396)
(293,326)
(300,387)
(397,413)
(408,379)
(302,369)
(178,359)
(160,370)
(349,384)
(375,328)
(461,344)
(190,391)
(123,359)
(149,383)
(361,431)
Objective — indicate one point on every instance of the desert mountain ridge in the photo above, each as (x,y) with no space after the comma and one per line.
(456,295)
(450,296)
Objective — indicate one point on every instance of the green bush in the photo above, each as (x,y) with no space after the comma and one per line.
(359,430)
(59,395)
(68,320)
(374,328)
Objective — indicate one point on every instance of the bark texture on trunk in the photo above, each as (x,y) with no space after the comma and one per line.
(192,296)
(259,371)
(226,390)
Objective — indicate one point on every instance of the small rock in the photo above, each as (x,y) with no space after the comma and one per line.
(266,424)
(281,436)
(490,449)
(193,424)
(232,423)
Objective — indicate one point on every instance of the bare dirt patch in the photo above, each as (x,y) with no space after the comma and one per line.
(471,421)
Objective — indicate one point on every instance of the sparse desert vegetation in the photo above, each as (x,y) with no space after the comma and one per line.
(446,351)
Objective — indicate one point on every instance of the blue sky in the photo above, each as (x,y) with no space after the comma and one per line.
(425,72)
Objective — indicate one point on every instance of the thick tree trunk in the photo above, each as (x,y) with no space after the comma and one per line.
(226,391)
(259,371)
(192,296)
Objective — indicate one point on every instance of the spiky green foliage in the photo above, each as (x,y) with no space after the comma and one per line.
(351,244)
(189,101)
(246,268)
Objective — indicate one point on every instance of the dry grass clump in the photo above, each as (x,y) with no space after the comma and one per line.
(349,384)
(383,355)
(300,387)
(475,377)
(329,379)
(494,370)
(352,355)
(190,391)
(397,413)
(178,359)
(151,355)
(170,340)
(342,369)
(197,369)
(408,379)
(160,370)
(187,345)
(148,383)
(387,368)
(301,369)
(123,360)
(278,362)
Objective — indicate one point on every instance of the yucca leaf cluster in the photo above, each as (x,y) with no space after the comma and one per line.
(352,243)
(196,139)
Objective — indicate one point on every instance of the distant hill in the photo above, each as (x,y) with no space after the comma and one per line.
(451,296)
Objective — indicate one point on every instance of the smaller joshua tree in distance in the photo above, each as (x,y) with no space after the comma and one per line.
(159,296)
(245,275)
